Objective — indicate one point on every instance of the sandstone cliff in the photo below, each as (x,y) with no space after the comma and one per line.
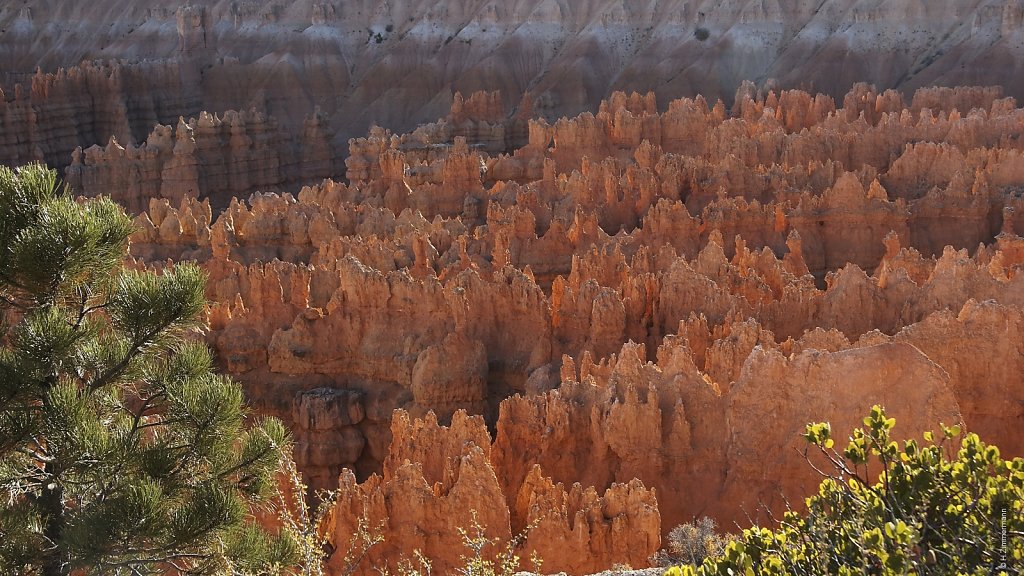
(46,116)
(399,64)
(219,158)
(598,313)
(439,479)
(665,297)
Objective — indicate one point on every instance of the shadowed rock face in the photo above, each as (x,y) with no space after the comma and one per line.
(398,63)
(638,310)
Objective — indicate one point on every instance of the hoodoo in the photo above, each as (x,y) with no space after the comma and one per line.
(559,274)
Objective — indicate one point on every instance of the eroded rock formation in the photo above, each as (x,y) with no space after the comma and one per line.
(437,479)
(400,63)
(223,158)
(47,115)
(645,308)
(596,318)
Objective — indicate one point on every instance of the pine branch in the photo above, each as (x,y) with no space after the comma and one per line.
(131,435)
(81,308)
(246,463)
(12,303)
(133,350)
(100,335)
(35,455)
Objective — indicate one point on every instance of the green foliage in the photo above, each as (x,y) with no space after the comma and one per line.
(930,511)
(121,452)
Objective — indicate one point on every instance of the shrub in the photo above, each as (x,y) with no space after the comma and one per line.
(486,556)
(307,526)
(691,543)
(941,507)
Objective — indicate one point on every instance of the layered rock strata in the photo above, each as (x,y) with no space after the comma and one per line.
(46,116)
(633,294)
(400,63)
(212,157)
(596,325)
(437,479)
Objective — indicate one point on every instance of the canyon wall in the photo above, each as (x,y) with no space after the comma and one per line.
(218,158)
(46,116)
(483,285)
(626,320)
(438,476)
(399,63)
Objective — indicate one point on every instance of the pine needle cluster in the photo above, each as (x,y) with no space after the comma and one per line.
(121,450)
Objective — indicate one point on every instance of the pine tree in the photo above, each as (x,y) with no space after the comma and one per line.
(121,451)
